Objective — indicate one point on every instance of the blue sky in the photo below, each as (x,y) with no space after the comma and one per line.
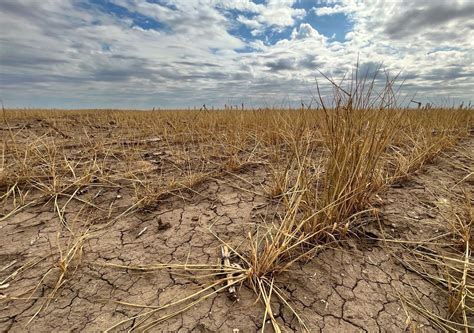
(163,53)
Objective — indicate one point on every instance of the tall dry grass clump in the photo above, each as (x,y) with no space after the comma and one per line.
(357,131)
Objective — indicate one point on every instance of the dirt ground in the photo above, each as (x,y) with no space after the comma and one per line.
(367,283)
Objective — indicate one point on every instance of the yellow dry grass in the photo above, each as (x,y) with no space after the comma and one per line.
(327,164)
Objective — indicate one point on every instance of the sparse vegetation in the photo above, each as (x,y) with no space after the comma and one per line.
(322,169)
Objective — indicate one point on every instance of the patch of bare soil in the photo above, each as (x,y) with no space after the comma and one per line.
(365,284)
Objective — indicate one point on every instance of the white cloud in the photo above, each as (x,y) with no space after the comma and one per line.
(320,11)
(305,30)
(251,23)
(280,13)
(242,5)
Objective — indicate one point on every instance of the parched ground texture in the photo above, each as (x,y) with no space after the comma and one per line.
(366,283)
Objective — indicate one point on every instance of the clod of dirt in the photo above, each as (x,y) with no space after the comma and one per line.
(163,226)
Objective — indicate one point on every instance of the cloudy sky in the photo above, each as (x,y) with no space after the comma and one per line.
(179,53)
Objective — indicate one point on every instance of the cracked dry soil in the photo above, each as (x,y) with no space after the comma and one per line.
(354,287)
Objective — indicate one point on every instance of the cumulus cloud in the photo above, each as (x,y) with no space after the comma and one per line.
(251,23)
(136,53)
(337,9)
(305,30)
(280,13)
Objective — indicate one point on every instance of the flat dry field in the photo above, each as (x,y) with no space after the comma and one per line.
(118,220)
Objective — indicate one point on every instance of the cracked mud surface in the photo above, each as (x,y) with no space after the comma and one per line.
(354,287)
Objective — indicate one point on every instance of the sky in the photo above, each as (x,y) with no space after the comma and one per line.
(185,53)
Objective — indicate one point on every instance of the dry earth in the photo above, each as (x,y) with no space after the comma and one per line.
(364,284)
